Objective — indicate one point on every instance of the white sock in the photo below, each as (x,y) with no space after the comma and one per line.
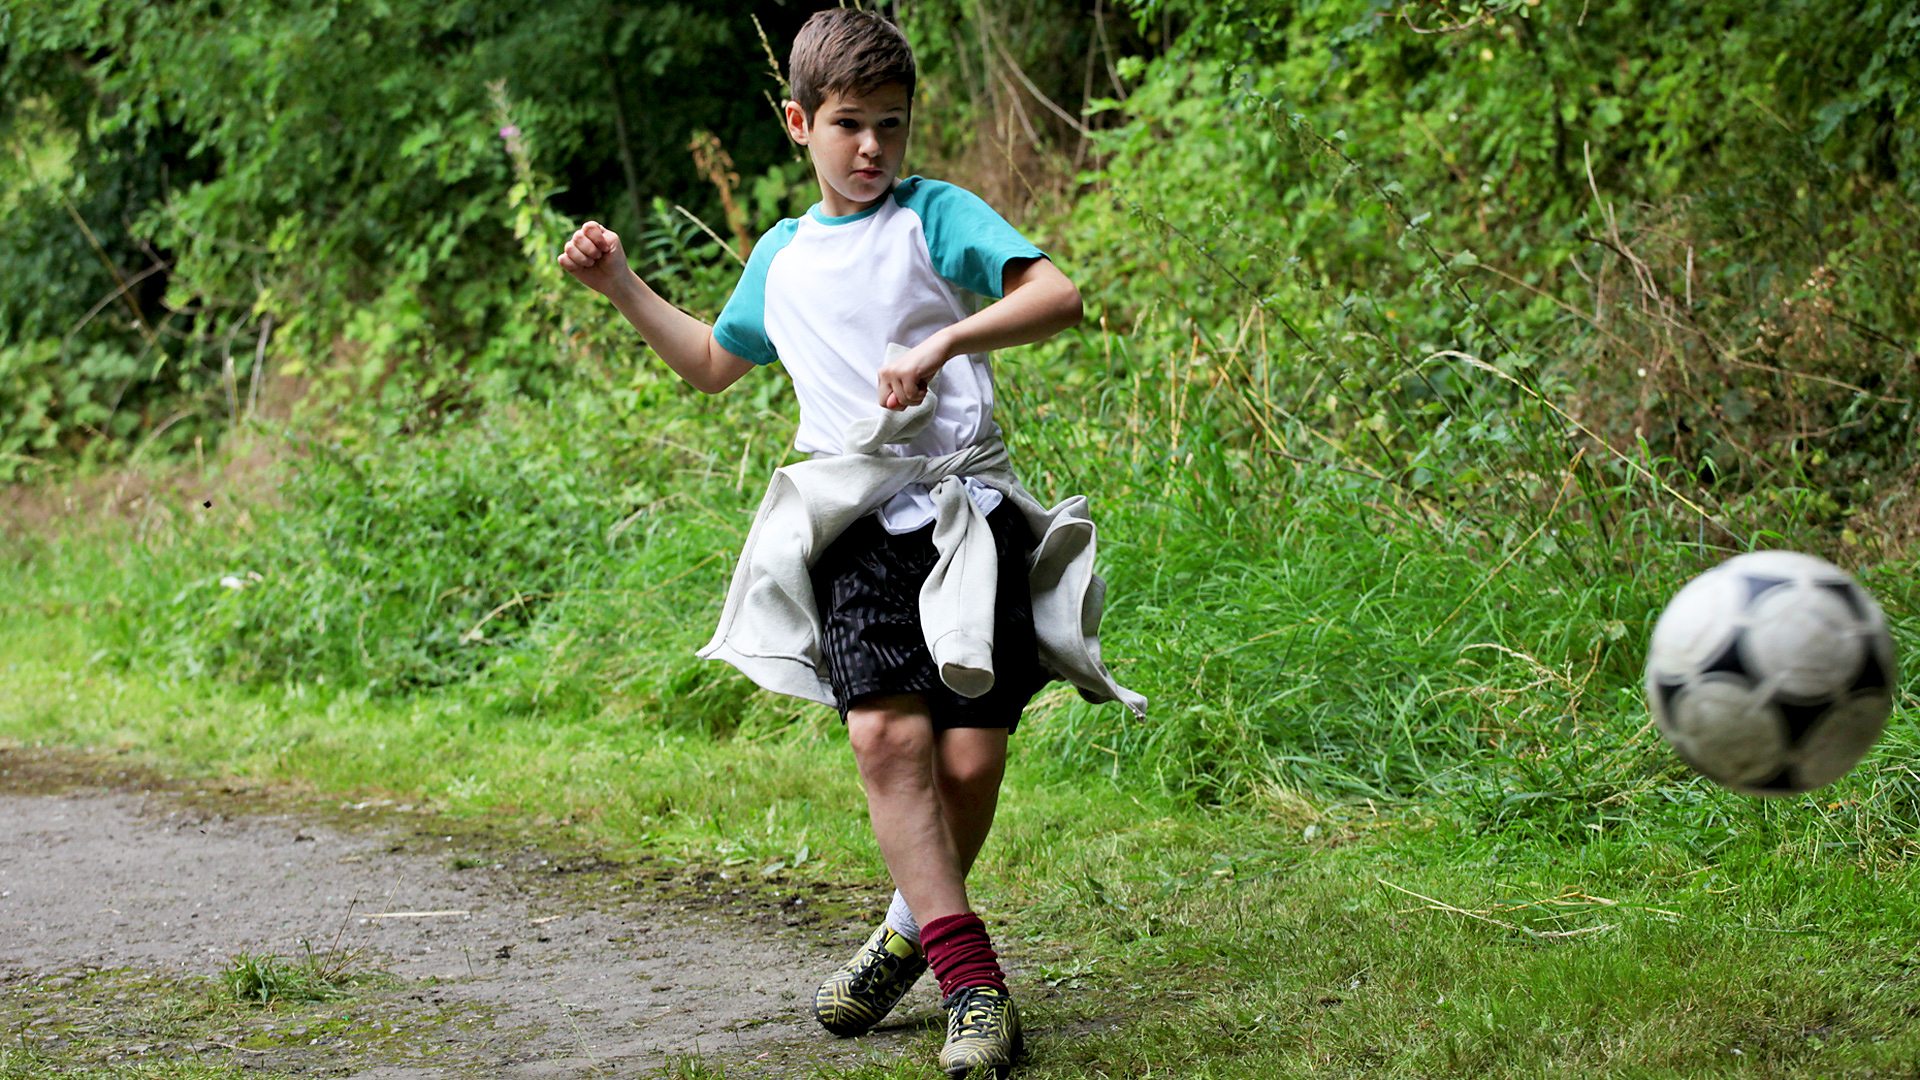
(900,919)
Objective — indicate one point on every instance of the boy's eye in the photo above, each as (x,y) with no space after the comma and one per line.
(890,122)
(847,124)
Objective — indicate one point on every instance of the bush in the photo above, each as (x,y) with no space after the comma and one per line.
(367,196)
(412,564)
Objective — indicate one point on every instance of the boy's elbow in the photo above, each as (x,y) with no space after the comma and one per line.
(1072,311)
(715,370)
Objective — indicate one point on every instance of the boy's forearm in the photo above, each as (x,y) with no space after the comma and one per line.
(1040,305)
(684,342)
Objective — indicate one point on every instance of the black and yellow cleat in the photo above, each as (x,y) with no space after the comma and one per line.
(869,985)
(983,1034)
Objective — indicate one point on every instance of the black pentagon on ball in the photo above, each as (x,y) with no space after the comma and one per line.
(1849,595)
(1729,661)
(1800,717)
(1781,781)
(1667,691)
(1758,584)
(1872,676)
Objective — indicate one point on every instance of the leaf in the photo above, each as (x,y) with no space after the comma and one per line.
(422,138)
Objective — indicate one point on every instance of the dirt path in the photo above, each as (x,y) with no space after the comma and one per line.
(503,961)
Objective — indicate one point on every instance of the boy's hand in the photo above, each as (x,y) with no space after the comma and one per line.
(904,378)
(594,256)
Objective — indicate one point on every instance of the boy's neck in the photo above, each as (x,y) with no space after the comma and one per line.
(834,206)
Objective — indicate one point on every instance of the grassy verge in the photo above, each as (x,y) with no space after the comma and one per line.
(1687,932)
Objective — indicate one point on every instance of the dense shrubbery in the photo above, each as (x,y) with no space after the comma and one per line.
(363,191)
(369,193)
(1697,250)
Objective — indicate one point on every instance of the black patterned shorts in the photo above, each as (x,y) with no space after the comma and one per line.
(868,582)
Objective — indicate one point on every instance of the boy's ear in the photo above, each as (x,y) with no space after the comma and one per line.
(797,126)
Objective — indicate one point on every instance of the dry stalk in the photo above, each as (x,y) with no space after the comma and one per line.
(1538,935)
(713,161)
(714,236)
(1642,470)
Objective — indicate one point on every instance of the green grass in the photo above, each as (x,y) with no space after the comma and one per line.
(1689,932)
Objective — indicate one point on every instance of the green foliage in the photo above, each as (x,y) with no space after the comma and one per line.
(85,363)
(1559,194)
(364,194)
(1664,96)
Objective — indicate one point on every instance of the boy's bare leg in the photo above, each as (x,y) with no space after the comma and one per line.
(893,743)
(968,765)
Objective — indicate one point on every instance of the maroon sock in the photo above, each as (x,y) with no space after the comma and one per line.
(960,953)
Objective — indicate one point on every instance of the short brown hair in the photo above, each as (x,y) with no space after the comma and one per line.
(847,51)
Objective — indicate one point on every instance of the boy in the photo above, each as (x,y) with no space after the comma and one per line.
(902,575)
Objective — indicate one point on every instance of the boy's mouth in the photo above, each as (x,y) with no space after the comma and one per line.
(867,174)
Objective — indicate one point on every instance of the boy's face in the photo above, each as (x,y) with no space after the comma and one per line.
(857,142)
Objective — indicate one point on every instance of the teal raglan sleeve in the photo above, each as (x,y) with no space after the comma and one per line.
(969,241)
(741,328)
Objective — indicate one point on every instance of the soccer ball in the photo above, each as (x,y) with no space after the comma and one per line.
(1772,673)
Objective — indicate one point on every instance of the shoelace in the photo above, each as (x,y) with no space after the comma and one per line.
(978,1013)
(886,965)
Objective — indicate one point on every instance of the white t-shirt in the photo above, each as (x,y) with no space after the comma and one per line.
(826,295)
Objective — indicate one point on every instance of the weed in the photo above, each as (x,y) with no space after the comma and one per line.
(260,979)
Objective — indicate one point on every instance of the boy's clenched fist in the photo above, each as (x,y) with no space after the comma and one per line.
(594,257)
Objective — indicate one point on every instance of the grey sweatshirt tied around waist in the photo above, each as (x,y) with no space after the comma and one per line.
(770,625)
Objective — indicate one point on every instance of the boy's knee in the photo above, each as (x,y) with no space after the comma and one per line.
(971,762)
(969,773)
(891,737)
